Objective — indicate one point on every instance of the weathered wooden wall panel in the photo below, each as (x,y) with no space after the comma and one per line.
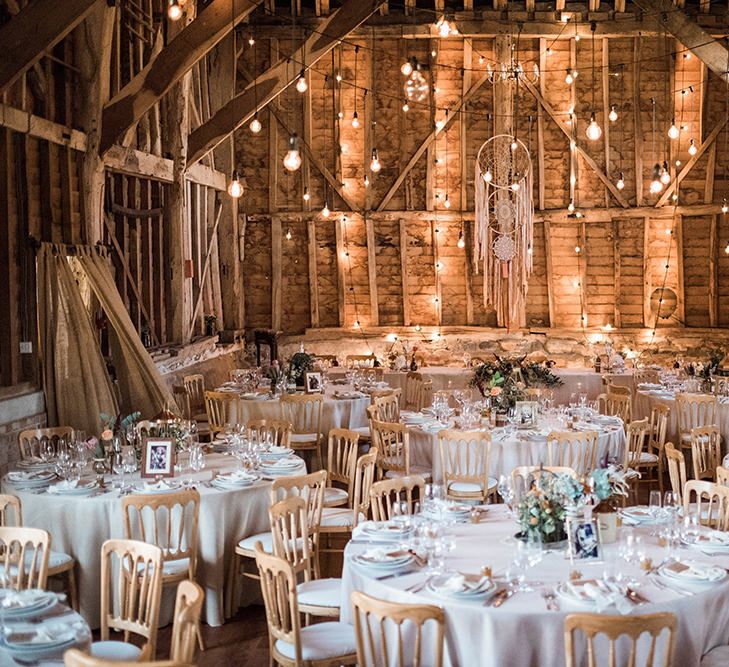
(389,275)
(629,261)
(257,276)
(696,248)
(327,273)
(537,303)
(295,315)
(600,274)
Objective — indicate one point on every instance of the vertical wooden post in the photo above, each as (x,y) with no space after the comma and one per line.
(434,234)
(430,166)
(617,270)
(714,271)
(606,109)
(638,128)
(313,273)
(540,122)
(307,131)
(275,272)
(273,163)
(647,279)
(550,277)
(466,84)
(681,308)
(341,259)
(574,168)
(372,272)
(404,272)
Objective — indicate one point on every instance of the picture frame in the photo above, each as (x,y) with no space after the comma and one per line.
(313,382)
(158,458)
(526,414)
(583,537)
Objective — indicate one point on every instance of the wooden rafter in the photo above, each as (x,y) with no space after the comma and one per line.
(585,156)
(170,65)
(37,28)
(277,78)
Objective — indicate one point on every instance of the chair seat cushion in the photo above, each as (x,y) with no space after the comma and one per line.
(717,657)
(116,651)
(169,568)
(471,487)
(338,517)
(302,438)
(266,539)
(334,496)
(322,641)
(55,559)
(647,457)
(320,592)
(424,472)
(363,431)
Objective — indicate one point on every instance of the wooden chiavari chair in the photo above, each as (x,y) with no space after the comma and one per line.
(182,400)
(615,627)
(635,456)
(342,452)
(195,385)
(385,493)
(186,621)
(303,412)
(129,604)
(722,476)
(75,658)
(620,390)
(371,620)
(426,396)
(59,563)
(465,460)
(414,388)
(393,445)
(676,469)
(616,405)
(576,450)
(720,385)
(221,408)
(710,502)
(705,452)
(694,411)
(387,408)
(320,645)
(646,376)
(31,441)
(522,477)
(657,426)
(24,557)
(280,430)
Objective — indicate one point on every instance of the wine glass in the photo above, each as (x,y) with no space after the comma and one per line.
(654,505)
(197,459)
(47,451)
(119,468)
(506,490)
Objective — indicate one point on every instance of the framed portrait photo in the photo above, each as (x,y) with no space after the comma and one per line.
(526,413)
(312,382)
(584,540)
(158,457)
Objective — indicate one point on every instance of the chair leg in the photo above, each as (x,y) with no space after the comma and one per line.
(660,475)
(72,589)
(200,640)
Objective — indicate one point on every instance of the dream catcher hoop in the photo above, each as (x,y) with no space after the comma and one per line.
(504,223)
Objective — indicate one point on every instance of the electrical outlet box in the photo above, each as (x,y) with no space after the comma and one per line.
(26,347)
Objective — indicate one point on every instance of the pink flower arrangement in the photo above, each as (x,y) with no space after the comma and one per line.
(495,391)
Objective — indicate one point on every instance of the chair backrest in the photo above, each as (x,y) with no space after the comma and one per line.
(705,451)
(393,445)
(219,408)
(278,587)
(376,622)
(303,412)
(635,439)
(618,405)
(711,503)
(24,556)
(182,399)
(360,360)
(291,536)
(522,477)
(676,469)
(195,385)
(619,389)
(695,410)
(465,457)
(722,476)
(576,450)
(661,627)
(188,607)
(167,520)
(720,385)
(279,429)
(130,604)
(646,376)
(426,396)
(75,658)
(387,407)
(310,487)
(386,492)
(364,476)
(11,513)
(657,426)
(342,457)
(414,391)
(32,440)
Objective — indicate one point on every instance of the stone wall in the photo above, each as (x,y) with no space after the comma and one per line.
(21,411)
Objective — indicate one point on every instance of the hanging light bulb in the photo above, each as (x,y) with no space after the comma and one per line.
(571,76)
(447,202)
(407,68)
(515,187)
(571,205)
(367,181)
(292,159)
(288,234)
(416,87)
(594,131)
(355,120)
(724,206)
(235,188)
(307,196)
(255,125)
(325,211)
(621,182)
(461,241)
(613,115)
(446,28)
(375,165)
(692,148)
(656,185)
(726,250)
(665,174)
(174,11)
(673,131)
(577,249)
(301,84)
(405,106)
(514,145)
(488,176)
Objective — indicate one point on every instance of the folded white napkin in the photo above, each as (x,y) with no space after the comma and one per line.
(692,571)
(63,485)
(454,584)
(156,486)
(604,595)
(287,462)
(19,599)
(236,476)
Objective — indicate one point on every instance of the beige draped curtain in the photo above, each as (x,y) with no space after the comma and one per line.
(76,383)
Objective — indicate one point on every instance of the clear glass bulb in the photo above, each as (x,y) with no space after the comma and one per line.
(292,159)
(461,241)
(444,28)
(692,148)
(288,234)
(673,131)
(594,131)
(375,165)
(307,196)
(355,120)
(569,79)
(301,84)
(174,11)
(725,207)
(656,186)
(613,115)
(407,68)
(515,187)
(405,106)
(571,206)
(416,87)
(726,250)
(488,176)
(621,182)
(325,211)
(255,125)
(665,176)
(235,188)
(447,202)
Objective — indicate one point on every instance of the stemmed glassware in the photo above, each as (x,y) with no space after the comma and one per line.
(506,490)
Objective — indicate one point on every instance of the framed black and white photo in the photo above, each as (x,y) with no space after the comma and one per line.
(158,456)
(526,413)
(312,382)
(584,540)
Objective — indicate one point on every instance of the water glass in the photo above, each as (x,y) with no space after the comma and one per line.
(654,505)
(691,528)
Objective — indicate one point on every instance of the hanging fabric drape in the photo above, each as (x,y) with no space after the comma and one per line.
(75,382)
(141,386)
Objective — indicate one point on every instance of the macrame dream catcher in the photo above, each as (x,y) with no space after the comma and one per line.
(504,224)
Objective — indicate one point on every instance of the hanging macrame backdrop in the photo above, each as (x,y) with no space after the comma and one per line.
(504,213)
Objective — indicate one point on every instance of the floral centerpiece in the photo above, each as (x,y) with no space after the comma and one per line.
(505,381)
(543,510)
(300,363)
(704,370)
(117,425)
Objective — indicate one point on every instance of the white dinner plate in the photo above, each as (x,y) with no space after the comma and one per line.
(25,603)
(573,592)
(710,540)
(388,530)
(82,489)
(388,561)
(638,513)
(460,586)
(692,573)
(161,487)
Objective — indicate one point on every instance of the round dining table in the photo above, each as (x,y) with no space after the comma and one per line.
(511,447)
(523,631)
(79,525)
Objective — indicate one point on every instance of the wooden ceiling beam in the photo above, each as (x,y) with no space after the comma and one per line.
(277,78)
(687,31)
(193,42)
(37,28)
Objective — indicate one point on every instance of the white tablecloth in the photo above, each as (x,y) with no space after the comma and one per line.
(79,526)
(522,633)
(511,451)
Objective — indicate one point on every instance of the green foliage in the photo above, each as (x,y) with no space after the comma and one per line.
(300,363)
